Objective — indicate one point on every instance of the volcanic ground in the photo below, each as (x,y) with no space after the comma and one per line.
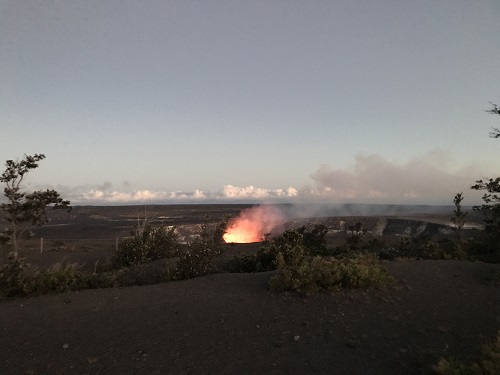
(231,323)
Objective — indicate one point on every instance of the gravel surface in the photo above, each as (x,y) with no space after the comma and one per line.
(231,324)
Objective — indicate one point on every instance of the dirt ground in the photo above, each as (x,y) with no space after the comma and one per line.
(232,324)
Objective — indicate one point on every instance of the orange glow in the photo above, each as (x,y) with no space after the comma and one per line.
(253,224)
(243,231)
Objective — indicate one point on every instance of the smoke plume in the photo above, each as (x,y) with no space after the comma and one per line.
(253,224)
(375,179)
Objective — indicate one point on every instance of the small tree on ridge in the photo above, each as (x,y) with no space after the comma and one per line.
(22,209)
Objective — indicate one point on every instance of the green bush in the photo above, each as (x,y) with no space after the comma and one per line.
(305,275)
(484,246)
(311,242)
(289,243)
(197,260)
(97,280)
(63,278)
(340,250)
(423,247)
(308,275)
(389,253)
(147,244)
(56,279)
(488,363)
(244,264)
(12,277)
(315,239)
(375,245)
(17,279)
(363,271)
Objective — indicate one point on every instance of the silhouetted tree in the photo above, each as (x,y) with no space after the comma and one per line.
(491,199)
(495,133)
(458,219)
(22,209)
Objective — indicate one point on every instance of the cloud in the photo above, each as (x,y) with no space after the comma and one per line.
(373,178)
(251,192)
(105,194)
(136,196)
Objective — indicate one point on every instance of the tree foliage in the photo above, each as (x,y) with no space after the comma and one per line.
(146,244)
(495,132)
(24,210)
(491,198)
(458,220)
(491,206)
(198,259)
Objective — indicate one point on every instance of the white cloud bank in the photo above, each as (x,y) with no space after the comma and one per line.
(250,192)
(136,196)
(371,179)
(106,194)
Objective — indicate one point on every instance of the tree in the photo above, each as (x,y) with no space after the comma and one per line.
(491,199)
(24,210)
(491,208)
(458,219)
(495,133)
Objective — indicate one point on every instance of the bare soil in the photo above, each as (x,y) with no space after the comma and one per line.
(232,324)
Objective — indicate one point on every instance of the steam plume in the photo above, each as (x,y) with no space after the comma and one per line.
(253,224)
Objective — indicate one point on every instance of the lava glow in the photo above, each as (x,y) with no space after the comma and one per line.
(253,224)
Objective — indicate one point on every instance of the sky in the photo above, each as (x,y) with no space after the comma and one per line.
(258,101)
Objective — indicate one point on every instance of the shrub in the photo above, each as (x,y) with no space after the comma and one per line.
(306,276)
(244,264)
(315,240)
(146,274)
(18,279)
(57,278)
(355,235)
(484,246)
(147,244)
(311,242)
(12,277)
(312,274)
(197,260)
(375,245)
(363,271)
(97,280)
(488,363)
(63,278)
(389,253)
(340,250)
(423,247)
(289,243)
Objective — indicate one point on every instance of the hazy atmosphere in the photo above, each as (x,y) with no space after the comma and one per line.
(231,101)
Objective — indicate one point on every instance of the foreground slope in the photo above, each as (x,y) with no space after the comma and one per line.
(230,323)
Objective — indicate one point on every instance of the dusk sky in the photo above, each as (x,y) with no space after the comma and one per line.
(224,101)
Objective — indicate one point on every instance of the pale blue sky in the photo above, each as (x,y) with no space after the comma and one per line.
(369,101)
